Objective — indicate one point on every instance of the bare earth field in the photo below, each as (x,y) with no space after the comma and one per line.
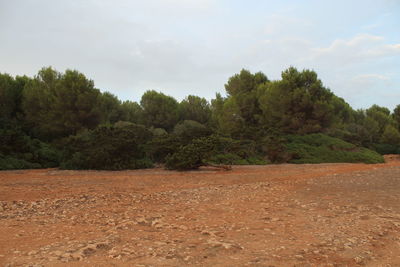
(275,215)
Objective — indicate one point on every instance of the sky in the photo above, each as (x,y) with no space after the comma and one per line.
(183,47)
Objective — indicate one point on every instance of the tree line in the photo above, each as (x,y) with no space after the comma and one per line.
(62,120)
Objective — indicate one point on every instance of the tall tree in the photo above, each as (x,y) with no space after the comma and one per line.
(109,108)
(240,112)
(10,96)
(195,108)
(298,103)
(396,115)
(159,110)
(132,112)
(58,105)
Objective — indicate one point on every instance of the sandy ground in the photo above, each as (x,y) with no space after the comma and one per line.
(275,215)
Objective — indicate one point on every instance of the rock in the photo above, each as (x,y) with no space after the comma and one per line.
(359,260)
(299,257)
(58,253)
(33,252)
(77,256)
(216,243)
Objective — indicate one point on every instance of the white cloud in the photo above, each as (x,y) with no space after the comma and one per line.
(360,48)
(194,46)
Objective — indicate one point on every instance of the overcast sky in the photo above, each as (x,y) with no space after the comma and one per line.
(183,47)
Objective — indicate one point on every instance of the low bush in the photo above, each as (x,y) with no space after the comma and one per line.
(19,151)
(385,149)
(320,148)
(108,148)
(214,149)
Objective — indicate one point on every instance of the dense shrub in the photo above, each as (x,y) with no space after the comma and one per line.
(188,130)
(214,149)
(19,151)
(108,148)
(319,148)
(384,149)
(11,163)
(161,146)
(233,159)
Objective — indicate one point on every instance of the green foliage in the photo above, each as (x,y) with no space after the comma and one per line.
(19,151)
(11,95)
(57,105)
(159,110)
(11,163)
(132,111)
(396,115)
(250,123)
(273,146)
(390,135)
(239,115)
(188,130)
(384,149)
(214,149)
(188,157)
(319,148)
(297,104)
(195,108)
(217,106)
(108,148)
(161,146)
(110,108)
(234,159)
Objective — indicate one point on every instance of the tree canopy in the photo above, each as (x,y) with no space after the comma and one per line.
(62,119)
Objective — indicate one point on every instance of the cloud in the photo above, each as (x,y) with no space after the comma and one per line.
(363,77)
(360,48)
(193,46)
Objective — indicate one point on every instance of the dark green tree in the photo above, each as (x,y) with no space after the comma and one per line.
(110,108)
(132,112)
(57,105)
(396,115)
(108,148)
(298,103)
(11,95)
(240,112)
(159,110)
(390,136)
(195,108)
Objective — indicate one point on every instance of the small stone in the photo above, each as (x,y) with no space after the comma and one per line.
(66,255)
(33,252)
(299,257)
(57,253)
(77,256)
(359,260)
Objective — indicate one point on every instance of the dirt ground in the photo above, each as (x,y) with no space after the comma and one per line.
(274,215)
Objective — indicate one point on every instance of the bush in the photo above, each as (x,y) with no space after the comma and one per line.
(108,148)
(19,151)
(319,148)
(10,163)
(233,159)
(384,149)
(160,147)
(188,130)
(214,149)
(188,157)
